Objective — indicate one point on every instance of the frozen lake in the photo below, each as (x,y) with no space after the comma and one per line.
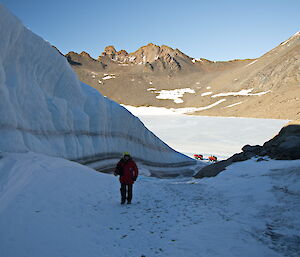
(220,136)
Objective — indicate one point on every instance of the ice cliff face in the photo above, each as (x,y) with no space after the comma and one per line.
(44,108)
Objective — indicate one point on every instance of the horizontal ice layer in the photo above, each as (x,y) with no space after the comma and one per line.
(44,108)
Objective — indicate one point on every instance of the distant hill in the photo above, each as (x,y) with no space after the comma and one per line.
(266,87)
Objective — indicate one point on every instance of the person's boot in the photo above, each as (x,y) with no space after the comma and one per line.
(129,202)
(123,202)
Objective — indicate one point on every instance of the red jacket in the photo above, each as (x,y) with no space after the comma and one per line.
(127,170)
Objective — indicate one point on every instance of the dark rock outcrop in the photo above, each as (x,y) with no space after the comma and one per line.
(284,146)
(213,169)
(85,61)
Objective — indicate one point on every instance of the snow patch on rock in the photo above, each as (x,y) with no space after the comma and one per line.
(206,93)
(151,110)
(232,105)
(111,76)
(296,35)
(252,63)
(243,92)
(175,94)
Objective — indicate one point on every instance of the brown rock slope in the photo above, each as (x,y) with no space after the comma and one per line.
(267,87)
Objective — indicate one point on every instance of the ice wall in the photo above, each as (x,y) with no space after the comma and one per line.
(44,108)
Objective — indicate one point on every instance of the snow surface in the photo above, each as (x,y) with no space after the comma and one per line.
(196,60)
(152,110)
(54,207)
(44,108)
(208,106)
(220,136)
(232,105)
(175,94)
(243,92)
(206,93)
(111,76)
(252,63)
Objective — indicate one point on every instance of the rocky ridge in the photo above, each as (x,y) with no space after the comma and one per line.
(266,87)
(158,58)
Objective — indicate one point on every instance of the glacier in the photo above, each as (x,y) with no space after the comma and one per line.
(44,108)
(50,206)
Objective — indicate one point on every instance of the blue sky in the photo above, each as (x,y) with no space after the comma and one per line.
(212,29)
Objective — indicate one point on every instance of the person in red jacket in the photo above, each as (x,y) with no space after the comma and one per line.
(128,172)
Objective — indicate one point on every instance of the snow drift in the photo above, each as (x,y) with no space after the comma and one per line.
(44,108)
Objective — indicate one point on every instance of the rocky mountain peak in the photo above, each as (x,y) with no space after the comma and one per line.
(122,52)
(154,57)
(85,54)
(109,50)
(149,45)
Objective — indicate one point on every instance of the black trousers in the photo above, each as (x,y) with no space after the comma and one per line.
(126,192)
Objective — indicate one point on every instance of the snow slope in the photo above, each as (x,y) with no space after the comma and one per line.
(44,108)
(54,207)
